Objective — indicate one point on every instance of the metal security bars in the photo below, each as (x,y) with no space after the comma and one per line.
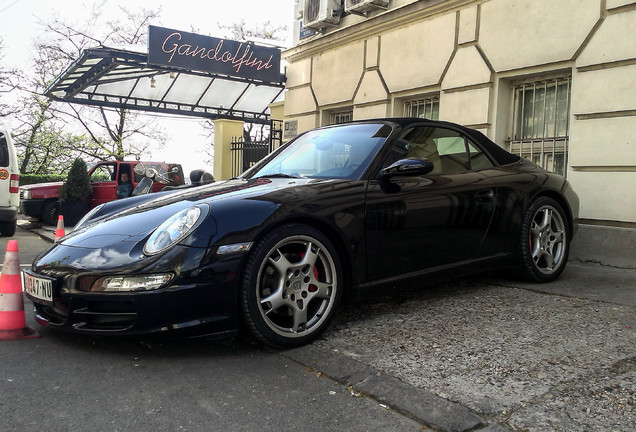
(246,153)
(422,108)
(340,117)
(540,122)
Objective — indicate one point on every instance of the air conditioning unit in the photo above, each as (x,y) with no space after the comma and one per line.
(318,14)
(364,6)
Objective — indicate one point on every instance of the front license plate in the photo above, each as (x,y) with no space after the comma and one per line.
(39,288)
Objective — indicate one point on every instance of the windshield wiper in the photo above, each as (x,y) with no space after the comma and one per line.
(279,175)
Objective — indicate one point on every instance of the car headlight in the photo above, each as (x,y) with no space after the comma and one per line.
(131,283)
(175,228)
(25,194)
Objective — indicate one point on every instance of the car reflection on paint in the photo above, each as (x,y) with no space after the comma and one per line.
(337,214)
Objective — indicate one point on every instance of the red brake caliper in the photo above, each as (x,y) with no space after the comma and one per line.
(312,287)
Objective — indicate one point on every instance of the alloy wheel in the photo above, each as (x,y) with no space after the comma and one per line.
(547,239)
(296,286)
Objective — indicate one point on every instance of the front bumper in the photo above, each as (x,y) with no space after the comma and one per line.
(201,300)
(196,309)
(32,207)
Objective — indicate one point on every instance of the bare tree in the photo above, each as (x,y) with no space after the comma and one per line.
(241,32)
(38,138)
(9,79)
(110,133)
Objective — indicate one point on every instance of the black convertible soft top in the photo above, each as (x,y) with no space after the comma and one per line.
(499,154)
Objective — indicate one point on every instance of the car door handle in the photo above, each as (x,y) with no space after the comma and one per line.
(484,196)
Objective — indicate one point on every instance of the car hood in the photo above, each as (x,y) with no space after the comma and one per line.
(42,185)
(134,224)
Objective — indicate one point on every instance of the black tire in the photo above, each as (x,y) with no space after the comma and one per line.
(545,241)
(7,229)
(50,212)
(291,287)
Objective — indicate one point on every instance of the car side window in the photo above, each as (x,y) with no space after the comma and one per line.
(104,173)
(448,150)
(4,151)
(478,159)
(445,148)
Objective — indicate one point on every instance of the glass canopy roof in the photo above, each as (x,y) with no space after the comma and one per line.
(121,77)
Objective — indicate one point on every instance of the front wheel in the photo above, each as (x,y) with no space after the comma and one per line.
(291,287)
(545,242)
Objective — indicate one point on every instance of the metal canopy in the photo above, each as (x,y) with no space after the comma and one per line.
(122,78)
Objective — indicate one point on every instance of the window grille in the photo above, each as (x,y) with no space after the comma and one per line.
(341,117)
(540,123)
(422,108)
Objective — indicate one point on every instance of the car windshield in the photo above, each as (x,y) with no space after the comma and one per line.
(342,151)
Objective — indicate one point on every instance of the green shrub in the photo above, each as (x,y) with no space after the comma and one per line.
(27,179)
(77,186)
(101,177)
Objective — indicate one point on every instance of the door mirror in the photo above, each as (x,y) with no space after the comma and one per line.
(408,167)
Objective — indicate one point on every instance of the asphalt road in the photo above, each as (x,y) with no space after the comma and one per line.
(68,383)
(29,246)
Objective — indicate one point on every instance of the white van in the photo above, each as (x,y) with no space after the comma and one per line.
(9,183)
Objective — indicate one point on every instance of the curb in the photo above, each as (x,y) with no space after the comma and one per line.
(418,404)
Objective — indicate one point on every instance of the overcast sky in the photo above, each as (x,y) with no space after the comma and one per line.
(19,27)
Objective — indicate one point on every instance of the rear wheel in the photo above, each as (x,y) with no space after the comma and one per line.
(545,242)
(7,229)
(291,287)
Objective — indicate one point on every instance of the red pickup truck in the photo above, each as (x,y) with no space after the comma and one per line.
(41,200)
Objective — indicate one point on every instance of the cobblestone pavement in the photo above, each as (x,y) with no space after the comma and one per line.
(526,360)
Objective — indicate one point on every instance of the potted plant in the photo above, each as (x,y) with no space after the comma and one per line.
(74,193)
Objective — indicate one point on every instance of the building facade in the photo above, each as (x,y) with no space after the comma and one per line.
(553,81)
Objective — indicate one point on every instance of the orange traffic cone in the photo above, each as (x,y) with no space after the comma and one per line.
(12,319)
(59,231)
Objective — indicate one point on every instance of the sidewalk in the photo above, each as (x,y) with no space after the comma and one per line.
(490,353)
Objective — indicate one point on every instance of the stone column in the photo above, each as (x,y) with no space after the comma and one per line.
(224,131)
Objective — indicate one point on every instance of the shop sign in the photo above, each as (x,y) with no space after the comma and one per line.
(184,50)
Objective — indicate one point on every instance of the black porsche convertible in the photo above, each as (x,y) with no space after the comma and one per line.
(336,214)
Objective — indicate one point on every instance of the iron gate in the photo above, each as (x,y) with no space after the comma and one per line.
(247,153)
